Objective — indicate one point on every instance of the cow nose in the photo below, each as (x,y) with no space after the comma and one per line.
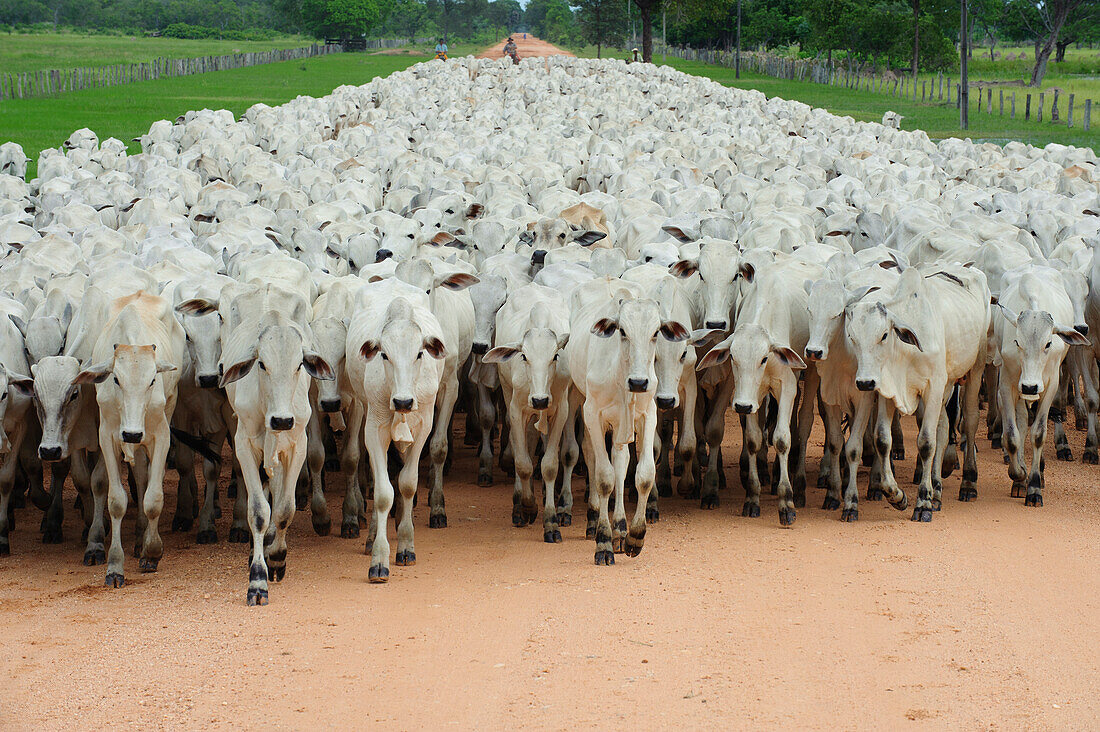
(382,255)
(480,348)
(538,257)
(282,423)
(541,402)
(208,381)
(814,354)
(637,385)
(865,384)
(1029,389)
(132,437)
(330,405)
(666,402)
(402,405)
(50,453)
(1081,328)
(716,324)
(742,407)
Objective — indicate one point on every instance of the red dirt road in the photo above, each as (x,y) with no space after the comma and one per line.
(527,47)
(985,618)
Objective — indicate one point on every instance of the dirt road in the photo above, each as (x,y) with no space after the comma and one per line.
(985,618)
(527,47)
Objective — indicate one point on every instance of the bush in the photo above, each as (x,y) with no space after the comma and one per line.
(201,32)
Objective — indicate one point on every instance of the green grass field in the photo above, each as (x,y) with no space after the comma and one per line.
(33,51)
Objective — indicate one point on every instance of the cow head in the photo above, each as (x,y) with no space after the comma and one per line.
(488,297)
(401,347)
(874,336)
(129,379)
(538,353)
(751,352)
(636,329)
(827,302)
(1041,346)
(57,398)
(718,267)
(330,338)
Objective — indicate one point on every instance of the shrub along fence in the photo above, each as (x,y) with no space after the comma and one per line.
(52,82)
(938,90)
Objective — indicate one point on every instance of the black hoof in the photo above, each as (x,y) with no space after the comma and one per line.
(604,558)
(1064,454)
(349,529)
(968,493)
(551,536)
(137,550)
(875,494)
(590,532)
(617,545)
(902,503)
(277,573)
(652,515)
(936,504)
(1090,457)
(849,515)
(378,574)
(52,535)
(207,536)
(897,453)
(633,547)
(437,521)
(565,519)
(709,502)
(484,480)
(829,504)
(238,536)
(182,523)
(995,443)
(148,565)
(256,597)
(922,515)
(94,557)
(114,580)
(786,516)
(406,558)
(1019,489)
(323,528)
(750,510)
(1034,499)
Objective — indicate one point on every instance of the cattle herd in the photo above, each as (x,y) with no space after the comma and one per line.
(591,261)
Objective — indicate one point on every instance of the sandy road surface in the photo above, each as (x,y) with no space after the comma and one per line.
(527,47)
(985,618)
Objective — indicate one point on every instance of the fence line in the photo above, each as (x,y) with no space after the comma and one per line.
(902,86)
(51,82)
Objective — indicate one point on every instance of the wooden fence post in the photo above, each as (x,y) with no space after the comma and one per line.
(1054,107)
(1088,115)
(1027,109)
(1039,111)
(989,100)
(1069,113)
(1001,101)
(1013,105)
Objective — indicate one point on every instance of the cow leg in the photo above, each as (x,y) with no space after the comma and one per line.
(1058,417)
(620,457)
(258,517)
(570,454)
(208,532)
(687,441)
(55,514)
(1038,433)
(116,504)
(884,446)
(376,440)
(139,477)
(830,459)
(1011,421)
(994,417)
(644,476)
(926,450)
(781,438)
(95,552)
(968,490)
(591,496)
(551,456)
(445,403)
(897,452)
(715,430)
(350,458)
(1092,404)
(406,484)
(239,531)
(486,418)
(7,483)
(187,487)
(153,498)
(523,439)
(283,484)
(754,440)
(805,426)
(664,446)
(315,468)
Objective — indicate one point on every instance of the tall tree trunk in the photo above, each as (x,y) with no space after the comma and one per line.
(916,37)
(645,13)
(1059,11)
(1060,52)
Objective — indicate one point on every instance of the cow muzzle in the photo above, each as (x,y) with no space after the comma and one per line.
(540,402)
(49,453)
(1029,390)
(637,386)
(666,402)
(479,349)
(281,424)
(1082,328)
(716,324)
(402,406)
(208,381)
(742,407)
(814,354)
(382,255)
(865,384)
(132,438)
(330,405)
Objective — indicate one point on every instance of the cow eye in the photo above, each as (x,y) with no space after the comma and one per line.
(880,340)
(153,381)
(683,356)
(262,367)
(385,357)
(419,355)
(450,211)
(410,236)
(1049,343)
(116,381)
(556,356)
(73,396)
(523,357)
(763,360)
(561,236)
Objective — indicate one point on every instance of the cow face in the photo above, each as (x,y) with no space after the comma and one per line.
(56,396)
(1040,346)
(330,336)
(129,380)
(539,352)
(488,297)
(204,346)
(751,352)
(718,265)
(637,328)
(873,337)
(828,300)
(401,347)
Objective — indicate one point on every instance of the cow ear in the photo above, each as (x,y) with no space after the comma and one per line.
(674,331)
(93,374)
(858,295)
(237,371)
(500,354)
(588,238)
(457,281)
(905,335)
(435,348)
(714,356)
(441,239)
(22,384)
(163,366)
(704,336)
(684,268)
(788,357)
(18,322)
(527,237)
(1011,316)
(317,367)
(563,341)
(1072,337)
(197,306)
(605,327)
(678,234)
(457,243)
(474,210)
(747,271)
(369,349)
(66,316)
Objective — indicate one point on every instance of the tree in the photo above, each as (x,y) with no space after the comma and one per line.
(646,9)
(1082,27)
(340,18)
(1044,20)
(602,22)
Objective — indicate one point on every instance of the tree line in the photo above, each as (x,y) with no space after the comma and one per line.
(908,35)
